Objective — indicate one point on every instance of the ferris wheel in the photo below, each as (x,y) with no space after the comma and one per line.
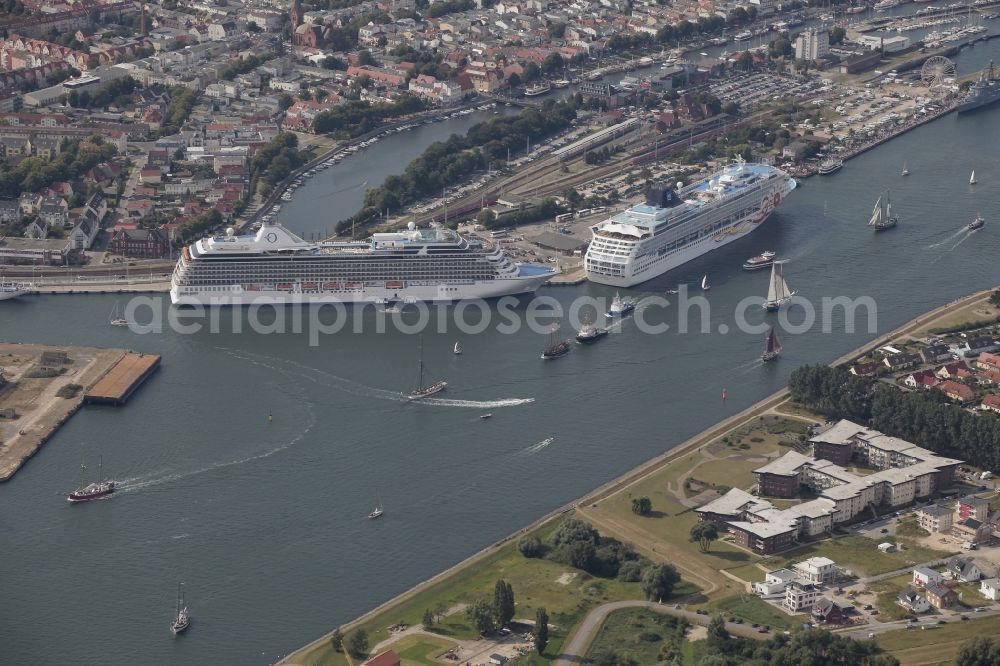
(937,71)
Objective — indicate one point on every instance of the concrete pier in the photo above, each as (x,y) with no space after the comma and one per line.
(121,381)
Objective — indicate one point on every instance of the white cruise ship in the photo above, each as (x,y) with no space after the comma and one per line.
(674,227)
(276,266)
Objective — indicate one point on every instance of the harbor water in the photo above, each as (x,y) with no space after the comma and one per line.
(248,463)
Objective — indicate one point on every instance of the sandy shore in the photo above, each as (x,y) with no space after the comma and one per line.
(701,439)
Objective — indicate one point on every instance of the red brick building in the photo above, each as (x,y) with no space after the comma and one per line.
(140,243)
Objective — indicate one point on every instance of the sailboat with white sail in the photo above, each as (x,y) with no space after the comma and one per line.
(457,349)
(704,284)
(972,178)
(772,347)
(882,217)
(117,316)
(778,293)
(422,391)
(182,620)
(905,172)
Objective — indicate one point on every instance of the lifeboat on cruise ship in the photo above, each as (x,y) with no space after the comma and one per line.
(251,287)
(330,286)
(353,285)
(394,285)
(309,286)
(284,286)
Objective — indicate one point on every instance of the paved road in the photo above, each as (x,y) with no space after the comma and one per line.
(576,647)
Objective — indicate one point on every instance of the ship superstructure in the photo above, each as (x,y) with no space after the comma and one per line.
(675,226)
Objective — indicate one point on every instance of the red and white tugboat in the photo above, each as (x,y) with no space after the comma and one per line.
(92,491)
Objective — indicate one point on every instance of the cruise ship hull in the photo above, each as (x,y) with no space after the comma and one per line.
(237,295)
(632,274)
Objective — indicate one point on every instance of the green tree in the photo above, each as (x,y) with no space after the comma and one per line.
(553,64)
(357,645)
(530,73)
(528,546)
(704,533)
(642,506)
(837,35)
(658,581)
(337,640)
(428,619)
(480,613)
(995,298)
(717,633)
(979,651)
(541,630)
(503,602)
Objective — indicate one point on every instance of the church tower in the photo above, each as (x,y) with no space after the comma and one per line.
(297,14)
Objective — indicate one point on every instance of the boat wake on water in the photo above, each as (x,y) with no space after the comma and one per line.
(535,448)
(964,230)
(159,478)
(444,402)
(328,380)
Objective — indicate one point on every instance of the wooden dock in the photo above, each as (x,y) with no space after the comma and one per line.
(121,381)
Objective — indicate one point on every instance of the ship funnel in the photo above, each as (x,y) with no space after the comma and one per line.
(411,225)
(661,196)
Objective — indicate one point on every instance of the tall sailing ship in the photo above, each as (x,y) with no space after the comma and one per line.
(182,619)
(276,266)
(772,347)
(778,293)
(882,217)
(91,491)
(674,226)
(423,390)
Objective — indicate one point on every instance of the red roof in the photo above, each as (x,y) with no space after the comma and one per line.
(992,402)
(954,389)
(387,658)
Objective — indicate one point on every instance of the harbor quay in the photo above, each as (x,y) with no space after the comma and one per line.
(42,386)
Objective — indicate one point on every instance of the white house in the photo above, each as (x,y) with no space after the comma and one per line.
(799,596)
(963,570)
(775,582)
(990,588)
(913,602)
(816,570)
(922,576)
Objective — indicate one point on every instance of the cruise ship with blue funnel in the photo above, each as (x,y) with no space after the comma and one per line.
(674,226)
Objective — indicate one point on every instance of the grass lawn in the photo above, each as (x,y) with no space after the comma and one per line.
(634,632)
(939,644)
(886,592)
(733,473)
(535,583)
(978,311)
(422,650)
(860,554)
(753,609)
(748,572)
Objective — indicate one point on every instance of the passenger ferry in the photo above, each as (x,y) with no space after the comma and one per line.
(675,226)
(276,266)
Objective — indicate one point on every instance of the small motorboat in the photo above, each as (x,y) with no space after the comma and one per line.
(762,260)
(486,416)
(977,223)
